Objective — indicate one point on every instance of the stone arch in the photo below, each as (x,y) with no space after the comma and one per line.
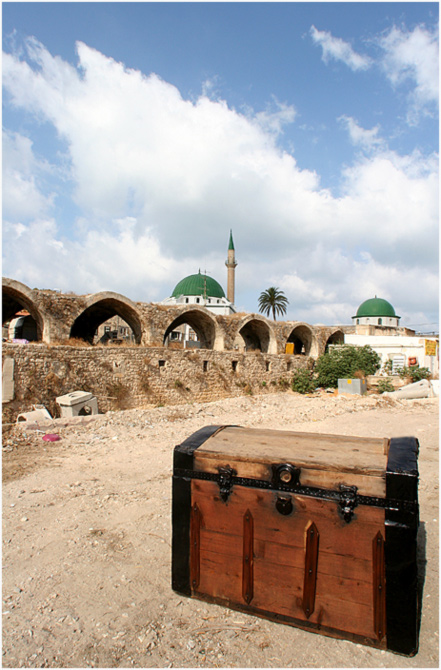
(337,337)
(202,322)
(17,296)
(302,336)
(103,306)
(254,333)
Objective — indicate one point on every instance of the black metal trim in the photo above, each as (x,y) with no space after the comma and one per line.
(183,453)
(401,526)
(183,456)
(310,491)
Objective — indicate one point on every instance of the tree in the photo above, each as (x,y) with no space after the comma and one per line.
(272,301)
(345,362)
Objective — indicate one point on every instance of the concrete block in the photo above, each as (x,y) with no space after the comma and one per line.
(8,390)
(355,386)
(77,403)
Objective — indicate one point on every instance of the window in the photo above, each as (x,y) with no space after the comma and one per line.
(234,365)
(161,364)
(197,299)
(358,322)
(267,366)
(205,368)
(186,300)
(107,329)
(380,322)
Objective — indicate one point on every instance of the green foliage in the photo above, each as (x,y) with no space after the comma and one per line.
(414,373)
(303,382)
(385,386)
(344,362)
(273,301)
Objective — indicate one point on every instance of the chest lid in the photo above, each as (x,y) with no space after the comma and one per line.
(319,460)
(307,450)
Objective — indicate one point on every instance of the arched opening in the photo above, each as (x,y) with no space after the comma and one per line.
(109,320)
(254,335)
(301,337)
(193,329)
(20,317)
(336,338)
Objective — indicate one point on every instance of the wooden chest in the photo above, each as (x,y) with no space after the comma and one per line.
(316,531)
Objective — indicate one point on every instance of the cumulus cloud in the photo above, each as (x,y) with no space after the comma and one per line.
(159,181)
(413,57)
(22,197)
(334,48)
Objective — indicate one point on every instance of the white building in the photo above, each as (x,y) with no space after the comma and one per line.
(377,325)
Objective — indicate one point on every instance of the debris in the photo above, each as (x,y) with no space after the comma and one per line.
(420,389)
(39,413)
(51,437)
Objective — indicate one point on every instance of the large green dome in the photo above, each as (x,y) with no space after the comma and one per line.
(376,307)
(198,285)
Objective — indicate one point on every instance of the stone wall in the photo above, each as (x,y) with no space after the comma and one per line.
(134,376)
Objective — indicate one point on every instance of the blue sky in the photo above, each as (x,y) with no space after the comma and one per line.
(135,135)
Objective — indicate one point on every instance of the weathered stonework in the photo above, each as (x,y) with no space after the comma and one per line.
(124,377)
(241,353)
(60,317)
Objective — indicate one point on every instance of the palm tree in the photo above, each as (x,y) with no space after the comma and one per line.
(274,301)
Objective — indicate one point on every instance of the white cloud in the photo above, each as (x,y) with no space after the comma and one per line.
(337,49)
(413,56)
(22,198)
(160,180)
(366,139)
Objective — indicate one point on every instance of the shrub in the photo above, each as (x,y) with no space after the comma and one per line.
(303,382)
(414,373)
(283,383)
(385,386)
(343,362)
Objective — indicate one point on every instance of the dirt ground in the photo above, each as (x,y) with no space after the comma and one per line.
(87,528)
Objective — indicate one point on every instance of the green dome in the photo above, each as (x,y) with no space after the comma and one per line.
(376,307)
(198,285)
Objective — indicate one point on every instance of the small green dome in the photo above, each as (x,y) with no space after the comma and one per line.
(198,285)
(376,307)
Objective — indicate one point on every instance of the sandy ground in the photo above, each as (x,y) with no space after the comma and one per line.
(86,541)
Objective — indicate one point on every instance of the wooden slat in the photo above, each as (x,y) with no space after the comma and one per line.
(367,484)
(344,587)
(195,528)
(310,576)
(365,455)
(379,585)
(353,539)
(248,557)
(221,576)
(285,556)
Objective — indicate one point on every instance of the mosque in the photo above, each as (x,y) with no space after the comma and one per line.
(375,322)
(205,291)
(200,289)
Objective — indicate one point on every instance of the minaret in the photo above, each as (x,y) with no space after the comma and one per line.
(231,265)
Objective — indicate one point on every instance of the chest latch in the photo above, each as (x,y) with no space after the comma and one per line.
(225,482)
(348,501)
